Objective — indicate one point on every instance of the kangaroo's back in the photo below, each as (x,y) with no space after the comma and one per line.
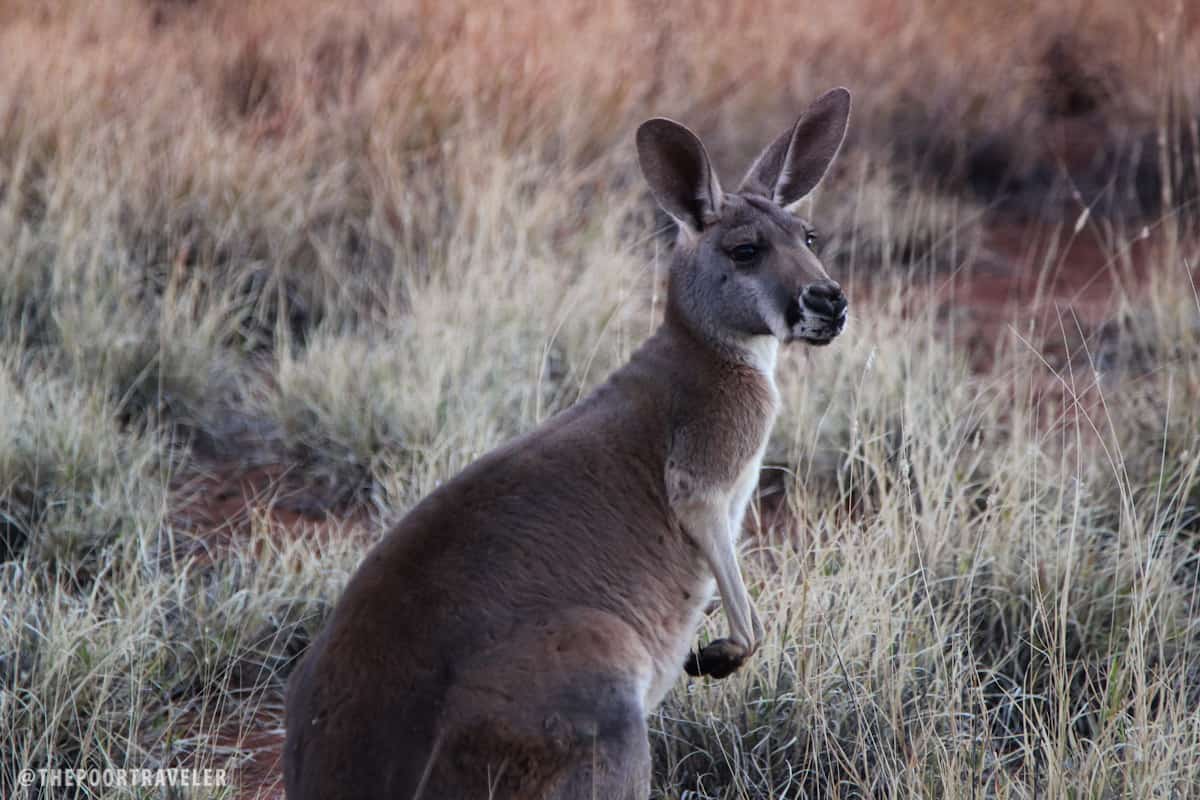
(508,638)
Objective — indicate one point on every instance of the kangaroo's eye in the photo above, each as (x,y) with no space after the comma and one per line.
(744,253)
(810,239)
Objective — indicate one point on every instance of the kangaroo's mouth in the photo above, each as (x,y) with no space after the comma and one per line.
(813,327)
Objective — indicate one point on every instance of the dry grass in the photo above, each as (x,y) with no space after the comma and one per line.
(367,244)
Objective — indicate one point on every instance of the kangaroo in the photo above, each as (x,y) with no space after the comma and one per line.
(509,636)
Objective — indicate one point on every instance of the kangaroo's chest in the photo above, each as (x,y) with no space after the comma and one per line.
(711,474)
(720,446)
(742,491)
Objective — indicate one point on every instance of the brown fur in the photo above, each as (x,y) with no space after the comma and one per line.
(509,636)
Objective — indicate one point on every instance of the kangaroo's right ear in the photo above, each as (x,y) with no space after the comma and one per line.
(794,164)
(679,173)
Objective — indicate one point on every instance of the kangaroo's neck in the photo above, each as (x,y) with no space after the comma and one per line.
(757,351)
(686,369)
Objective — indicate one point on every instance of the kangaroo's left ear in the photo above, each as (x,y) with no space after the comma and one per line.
(794,164)
(679,173)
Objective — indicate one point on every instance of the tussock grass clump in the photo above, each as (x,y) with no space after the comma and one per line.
(84,302)
(24,288)
(164,362)
(71,481)
(1150,420)
(163,663)
(453,364)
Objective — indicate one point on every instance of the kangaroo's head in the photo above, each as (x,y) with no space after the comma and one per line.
(745,264)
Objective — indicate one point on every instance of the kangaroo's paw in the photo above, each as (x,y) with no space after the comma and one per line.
(718,659)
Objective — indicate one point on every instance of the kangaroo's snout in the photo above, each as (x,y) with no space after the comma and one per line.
(825,298)
(818,315)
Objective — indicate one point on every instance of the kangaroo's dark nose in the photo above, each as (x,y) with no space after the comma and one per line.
(824,298)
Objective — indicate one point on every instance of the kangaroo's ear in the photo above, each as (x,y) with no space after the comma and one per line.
(679,173)
(794,164)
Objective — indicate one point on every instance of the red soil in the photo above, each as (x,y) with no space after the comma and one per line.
(261,777)
(216,510)
(1047,278)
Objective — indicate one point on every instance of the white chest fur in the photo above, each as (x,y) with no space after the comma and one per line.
(762,352)
(743,492)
